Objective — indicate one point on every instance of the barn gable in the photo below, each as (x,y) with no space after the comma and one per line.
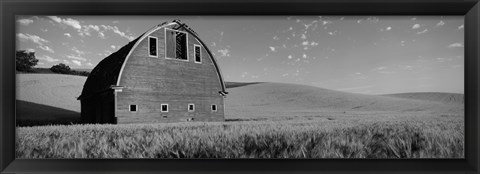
(190,31)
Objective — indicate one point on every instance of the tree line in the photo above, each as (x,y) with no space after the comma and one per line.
(25,61)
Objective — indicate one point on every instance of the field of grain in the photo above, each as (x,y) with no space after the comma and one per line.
(300,138)
(263,120)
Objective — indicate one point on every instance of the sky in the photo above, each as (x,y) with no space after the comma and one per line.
(357,54)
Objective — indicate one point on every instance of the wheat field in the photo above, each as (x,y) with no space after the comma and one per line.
(299,138)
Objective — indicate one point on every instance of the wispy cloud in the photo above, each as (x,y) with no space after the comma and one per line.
(101,35)
(34,38)
(422,32)
(379,68)
(455,45)
(224,52)
(442,59)
(272,49)
(46,48)
(86,30)
(383,70)
(415,26)
(406,67)
(358,76)
(117,31)
(77,62)
(303,36)
(25,22)
(441,23)
(76,57)
(333,32)
(372,19)
(457,66)
(244,74)
(37,40)
(47,58)
(325,22)
(67,21)
(74,49)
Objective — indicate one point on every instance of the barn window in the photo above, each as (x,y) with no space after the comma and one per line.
(198,54)
(191,107)
(176,44)
(152,46)
(133,108)
(214,108)
(164,107)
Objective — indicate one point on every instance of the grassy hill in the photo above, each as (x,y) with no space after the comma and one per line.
(250,101)
(48,98)
(280,97)
(448,98)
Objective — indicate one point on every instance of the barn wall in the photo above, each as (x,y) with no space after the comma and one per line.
(151,81)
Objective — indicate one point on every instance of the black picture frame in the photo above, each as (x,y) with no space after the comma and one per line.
(469,8)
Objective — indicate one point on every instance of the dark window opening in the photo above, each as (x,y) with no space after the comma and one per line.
(198,54)
(176,44)
(133,108)
(214,107)
(152,46)
(164,107)
(191,107)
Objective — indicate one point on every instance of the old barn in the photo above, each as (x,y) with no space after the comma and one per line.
(167,74)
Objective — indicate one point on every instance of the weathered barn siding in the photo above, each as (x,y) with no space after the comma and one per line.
(151,81)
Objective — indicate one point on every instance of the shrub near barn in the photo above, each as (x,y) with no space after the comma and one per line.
(24,60)
(60,68)
(65,69)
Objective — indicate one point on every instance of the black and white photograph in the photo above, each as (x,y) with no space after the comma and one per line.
(268,87)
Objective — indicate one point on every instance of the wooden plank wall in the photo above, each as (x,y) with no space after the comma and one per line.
(151,81)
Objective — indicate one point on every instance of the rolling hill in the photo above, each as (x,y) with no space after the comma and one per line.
(282,97)
(54,95)
(48,96)
(447,98)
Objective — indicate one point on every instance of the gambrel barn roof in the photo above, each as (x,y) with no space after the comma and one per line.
(108,71)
